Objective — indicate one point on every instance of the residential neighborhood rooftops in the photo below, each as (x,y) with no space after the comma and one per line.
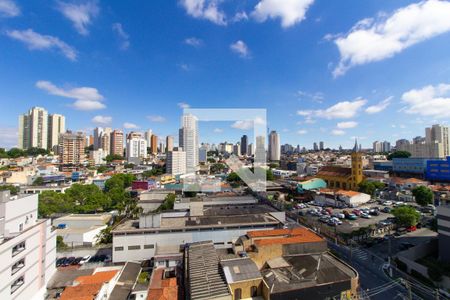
(240,269)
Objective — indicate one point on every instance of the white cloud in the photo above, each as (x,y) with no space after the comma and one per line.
(205,9)
(193,41)
(240,48)
(341,110)
(218,130)
(8,137)
(316,97)
(289,11)
(373,109)
(86,98)
(9,8)
(80,15)
(156,118)
(128,125)
(247,124)
(337,132)
(302,131)
(183,105)
(429,101)
(102,120)
(184,67)
(36,41)
(376,39)
(240,16)
(346,125)
(123,36)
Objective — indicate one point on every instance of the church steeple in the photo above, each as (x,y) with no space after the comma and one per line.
(356,148)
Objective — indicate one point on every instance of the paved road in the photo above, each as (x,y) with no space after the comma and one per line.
(370,273)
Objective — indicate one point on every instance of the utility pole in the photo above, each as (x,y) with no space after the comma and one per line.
(437,294)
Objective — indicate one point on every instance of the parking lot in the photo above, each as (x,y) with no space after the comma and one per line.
(346,225)
(83,259)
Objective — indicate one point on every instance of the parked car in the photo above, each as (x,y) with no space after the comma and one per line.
(374,212)
(85,259)
(386,209)
(387,203)
(411,228)
(339,215)
(69,261)
(337,221)
(60,261)
(365,216)
(77,261)
(357,212)
(351,217)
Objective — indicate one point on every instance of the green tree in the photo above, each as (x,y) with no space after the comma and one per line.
(88,198)
(38,181)
(102,169)
(217,168)
(399,154)
(51,202)
(234,177)
(423,195)
(3,153)
(156,171)
(105,236)
(269,175)
(168,203)
(60,245)
(369,187)
(111,157)
(15,153)
(34,151)
(14,190)
(406,215)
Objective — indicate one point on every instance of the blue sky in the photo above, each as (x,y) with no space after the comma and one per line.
(324,70)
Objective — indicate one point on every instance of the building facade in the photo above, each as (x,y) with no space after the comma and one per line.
(176,162)
(169,143)
(27,248)
(274,146)
(438,170)
(189,141)
(56,126)
(244,145)
(71,148)
(117,142)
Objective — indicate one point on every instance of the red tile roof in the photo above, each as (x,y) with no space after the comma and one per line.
(284,236)
(87,286)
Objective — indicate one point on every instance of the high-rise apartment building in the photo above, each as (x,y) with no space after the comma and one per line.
(189,141)
(56,125)
(136,149)
(117,142)
(105,141)
(315,147)
(321,145)
(71,148)
(274,146)
(154,144)
(176,162)
(244,144)
(169,143)
(97,136)
(381,147)
(33,129)
(27,248)
(237,149)
(148,137)
(438,134)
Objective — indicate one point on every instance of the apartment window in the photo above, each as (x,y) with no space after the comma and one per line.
(237,294)
(136,247)
(20,226)
(18,248)
(118,248)
(17,284)
(253,291)
(150,246)
(17,266)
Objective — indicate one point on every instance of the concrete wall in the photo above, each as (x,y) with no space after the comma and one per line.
(245,287)
(39,255)
(221,238)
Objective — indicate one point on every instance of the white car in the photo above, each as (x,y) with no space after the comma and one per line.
(387,203)
(398,203)
(365,216)
(339,215)
(336,220)
(85,259)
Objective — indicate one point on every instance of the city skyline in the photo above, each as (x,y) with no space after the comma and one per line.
(234,64)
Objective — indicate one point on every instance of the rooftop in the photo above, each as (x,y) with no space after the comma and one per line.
(87,287)
(86,217)
(307,271)
(206,280)
(334,171)
(240,269)
(126,281)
